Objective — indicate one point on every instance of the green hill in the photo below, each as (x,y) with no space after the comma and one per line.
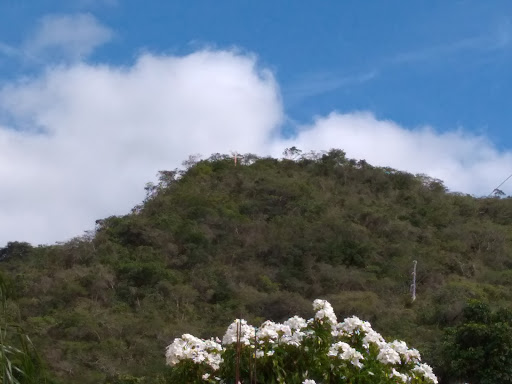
(260,240)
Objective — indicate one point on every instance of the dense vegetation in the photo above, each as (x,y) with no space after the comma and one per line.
(261,240)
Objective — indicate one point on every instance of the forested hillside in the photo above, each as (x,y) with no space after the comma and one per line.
(260,240)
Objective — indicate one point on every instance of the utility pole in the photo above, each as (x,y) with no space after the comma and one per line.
(413,285)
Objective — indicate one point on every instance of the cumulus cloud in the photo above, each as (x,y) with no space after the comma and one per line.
(82,141)
(465,162)
(79,142)
(66,37)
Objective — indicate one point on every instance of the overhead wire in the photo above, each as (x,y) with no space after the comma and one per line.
(495,189)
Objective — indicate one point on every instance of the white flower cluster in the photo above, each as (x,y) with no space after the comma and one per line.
(246,333)
(402,376)
(389,353)
(290,332)
(352,325)
(296,323)
(395,357)
(324,311)
(346,352)
(195,349)
(372,337)
(426,371)
(408,355)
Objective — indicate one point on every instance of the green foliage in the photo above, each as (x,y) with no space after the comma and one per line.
(479,349)
(215,242)
(19,362)
(15,249)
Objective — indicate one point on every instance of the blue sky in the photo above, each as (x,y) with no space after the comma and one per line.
(443,63)
(423,86)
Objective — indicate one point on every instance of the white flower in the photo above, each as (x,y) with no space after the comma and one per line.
(287,333)
(206,376)
(426,371)
(372,337)
(412,355)
(388,355)
(324,311)
(246,335)
(296,323)
(294,339)
(267,332)
(346,352)
(353,325)
(192,348)
(307,381)
(273,332)
(407,354)
(403,377)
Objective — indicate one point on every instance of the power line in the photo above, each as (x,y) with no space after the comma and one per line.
(499,185)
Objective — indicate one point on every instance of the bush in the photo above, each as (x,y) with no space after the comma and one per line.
(319,350)
(479,349)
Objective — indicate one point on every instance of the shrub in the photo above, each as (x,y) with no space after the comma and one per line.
(319,350)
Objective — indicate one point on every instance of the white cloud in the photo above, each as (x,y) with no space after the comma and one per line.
(109,130)
(466,162)
(79,142)
(66,37)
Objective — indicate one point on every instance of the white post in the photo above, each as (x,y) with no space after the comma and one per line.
(413,285)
